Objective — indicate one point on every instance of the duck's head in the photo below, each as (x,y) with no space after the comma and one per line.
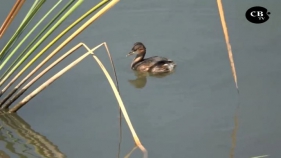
(138,48)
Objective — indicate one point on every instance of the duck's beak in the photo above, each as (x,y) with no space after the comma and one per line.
(131,53)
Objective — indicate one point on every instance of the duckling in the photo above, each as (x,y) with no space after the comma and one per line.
(153,64)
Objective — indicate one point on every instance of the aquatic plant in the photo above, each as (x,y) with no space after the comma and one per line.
(6,55)
(231,60)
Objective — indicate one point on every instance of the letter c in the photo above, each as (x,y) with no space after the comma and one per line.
(253,14)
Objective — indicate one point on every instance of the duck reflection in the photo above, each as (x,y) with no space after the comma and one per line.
(141,78)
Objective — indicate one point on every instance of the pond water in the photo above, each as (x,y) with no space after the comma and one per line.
(190,113)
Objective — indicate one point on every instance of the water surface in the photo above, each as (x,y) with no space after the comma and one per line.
(189,113)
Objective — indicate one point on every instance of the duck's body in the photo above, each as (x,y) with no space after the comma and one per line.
(153,64)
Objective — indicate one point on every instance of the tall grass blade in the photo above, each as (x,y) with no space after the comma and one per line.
(30,32)
(116,93)
(30,83)
(225,31)
(37,37)
(123,109)
(224,26)
(29,12)
(40,41)
(58,48)
(130,153)
(14,11)
(48,82)
(14,37)
(21,28)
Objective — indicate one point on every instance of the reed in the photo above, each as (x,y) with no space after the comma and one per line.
(228,45)
(230,55)
(52,79)
(36,38)
(36,78)
(130,153)
(52,29)
(21,26)
(27,15)
(29,11)
(123,109)
(67,68)
(45,49)
(29,33)
(14,11)
(28,50)
(20,29)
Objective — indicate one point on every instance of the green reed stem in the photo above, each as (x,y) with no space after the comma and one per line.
(20,30)
(27,19)
(29,33)
(74,7)
(24,19)
(2,57)
(29,12)
(38,35)
(46,47)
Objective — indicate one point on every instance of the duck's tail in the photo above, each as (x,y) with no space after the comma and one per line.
(170,65)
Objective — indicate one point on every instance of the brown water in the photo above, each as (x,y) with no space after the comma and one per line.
(189,113)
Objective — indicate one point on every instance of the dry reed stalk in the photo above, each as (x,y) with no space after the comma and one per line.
(23,55)
(10,70)
(14,11)
(71,65)
(71,37)
(224,26)
(30,83)
(44,72)
(123,109)
(129,154)
(225,31)
(48,82)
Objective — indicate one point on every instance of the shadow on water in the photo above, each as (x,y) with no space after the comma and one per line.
(141,78)
(23,141)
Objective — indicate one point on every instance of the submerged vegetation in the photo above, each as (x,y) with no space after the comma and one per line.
(11,49)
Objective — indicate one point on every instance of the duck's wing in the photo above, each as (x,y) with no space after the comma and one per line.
(151,62)
(157,59)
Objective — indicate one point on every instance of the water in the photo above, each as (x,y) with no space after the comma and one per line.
(189,113)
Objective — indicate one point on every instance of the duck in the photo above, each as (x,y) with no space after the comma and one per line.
(154,64)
